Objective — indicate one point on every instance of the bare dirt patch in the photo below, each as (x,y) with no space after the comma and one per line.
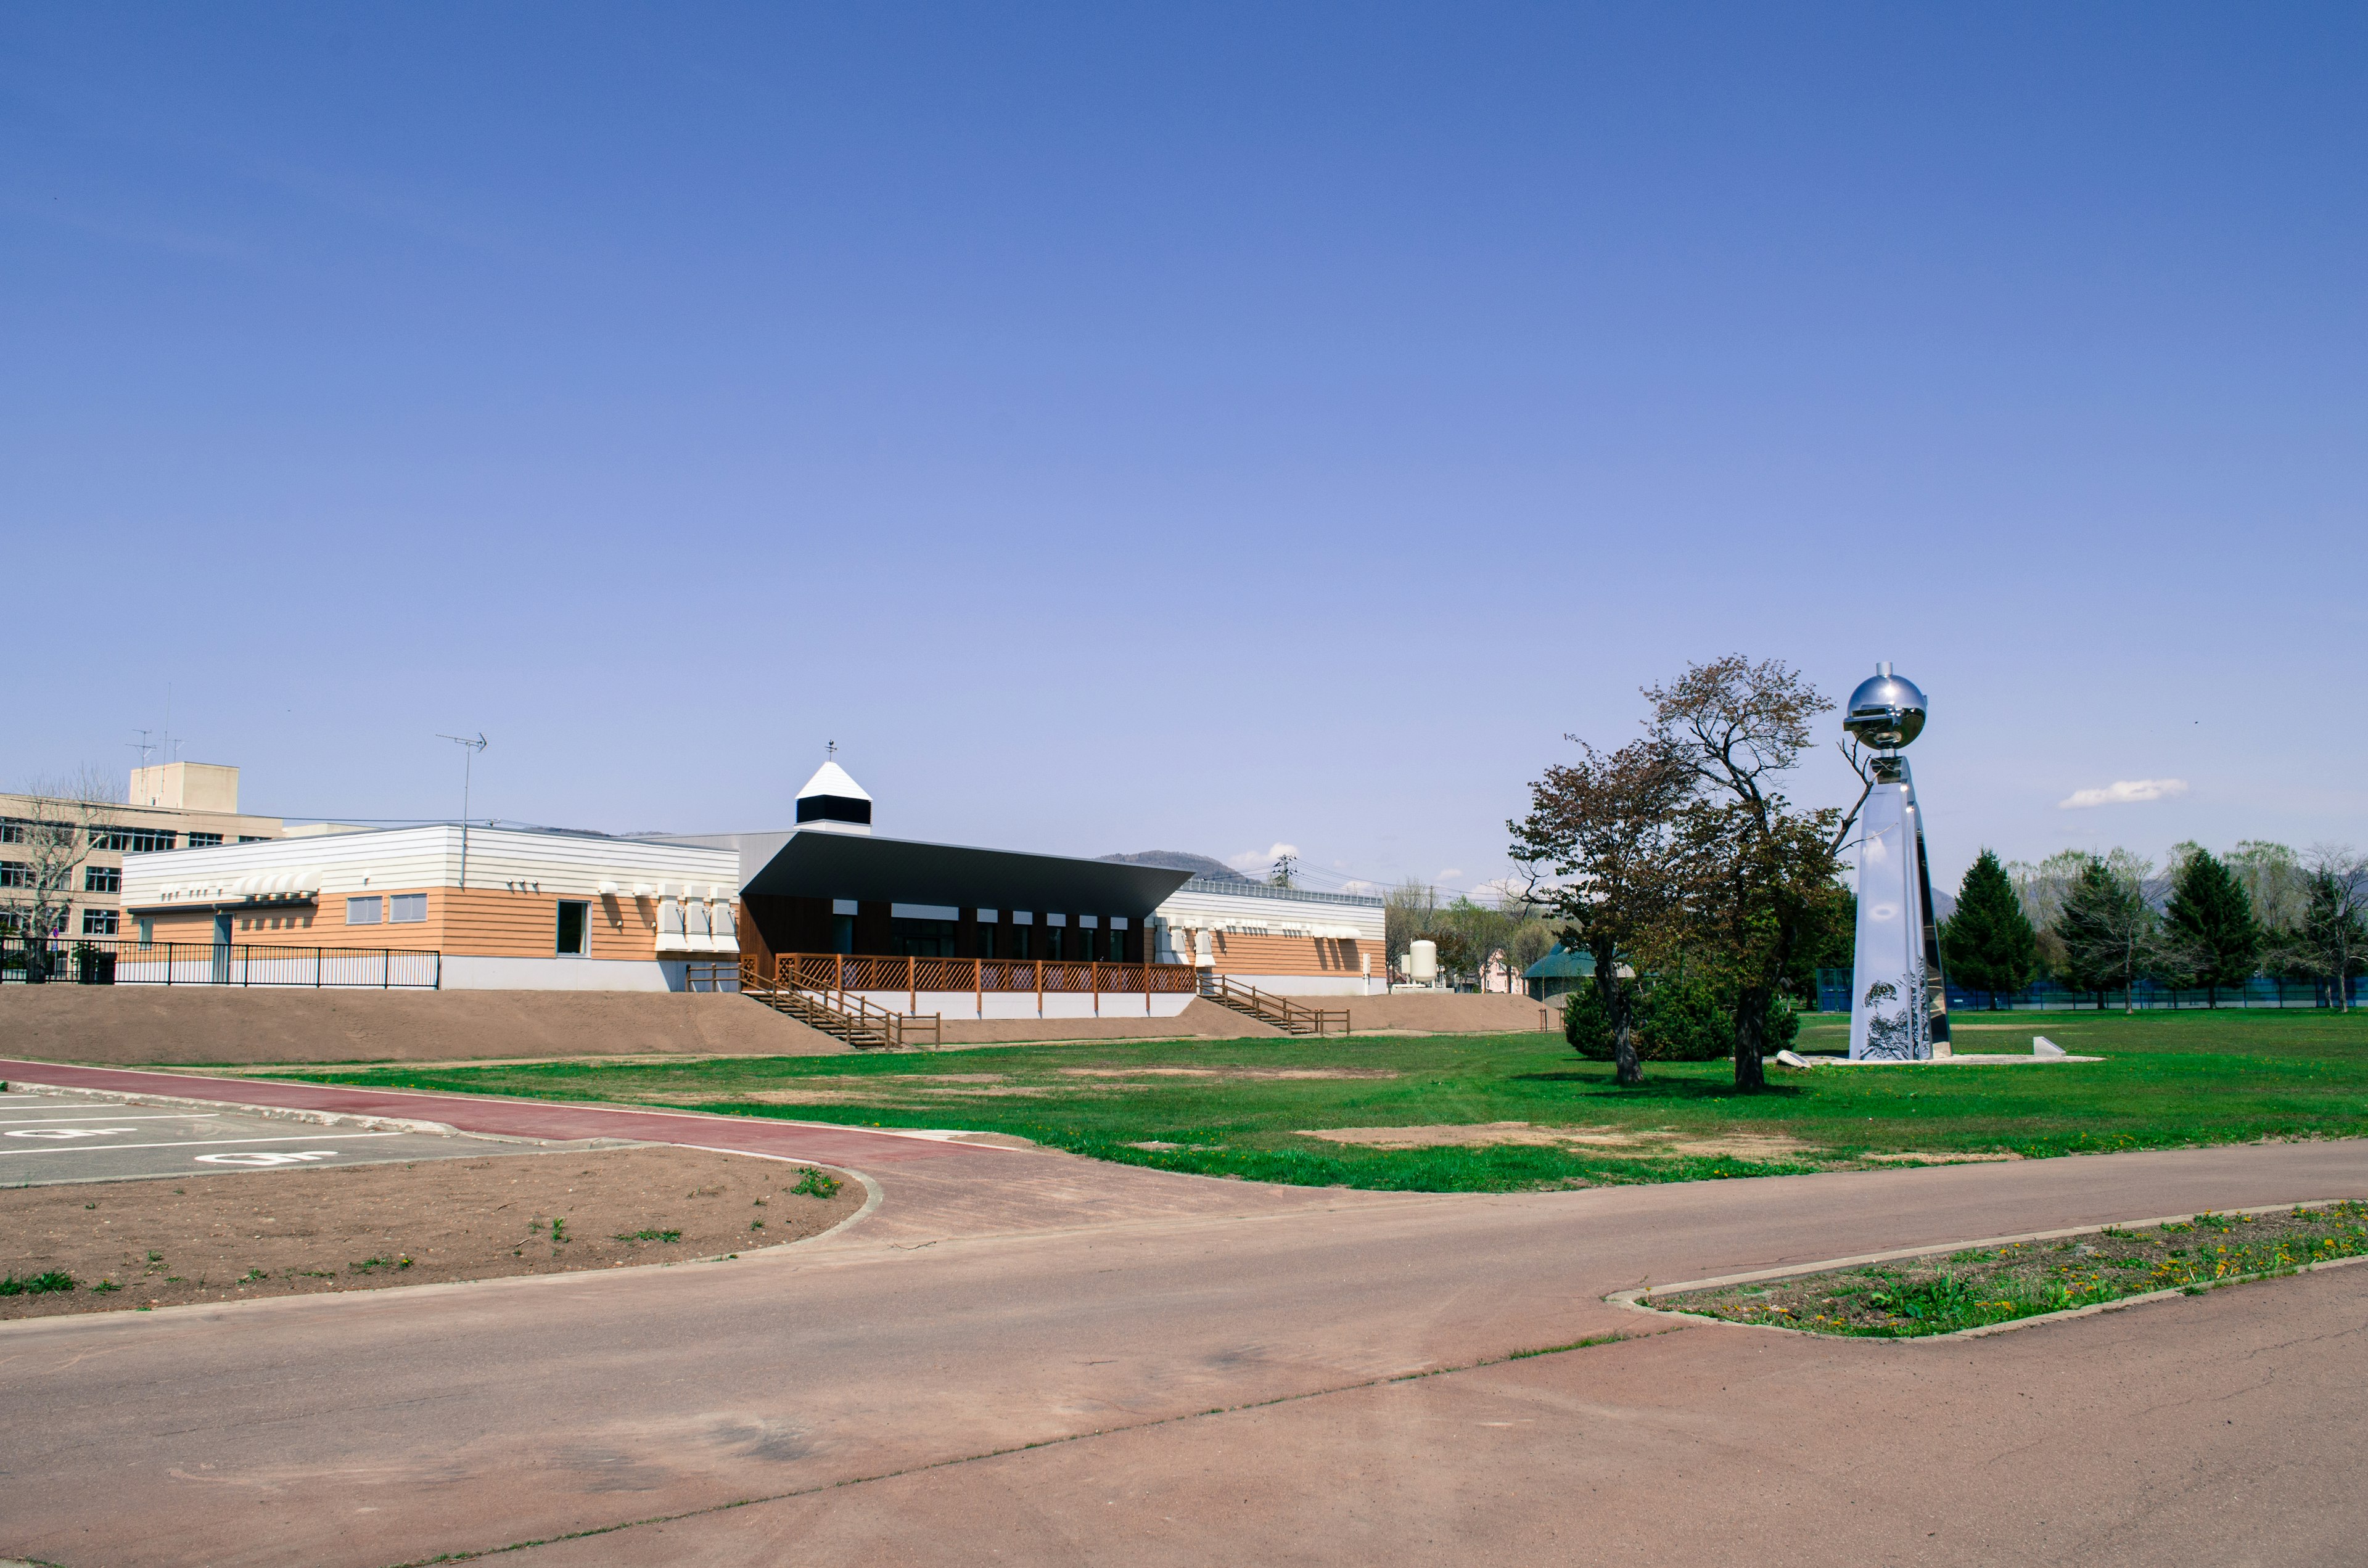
(1650,1144)
(219,1238)
(1921,1157)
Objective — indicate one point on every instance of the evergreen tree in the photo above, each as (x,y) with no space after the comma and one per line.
(2211,919)
(1988,945)
(2332,945)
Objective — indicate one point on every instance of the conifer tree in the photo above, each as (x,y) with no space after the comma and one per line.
(1988,944)
(2108,933)
(2211,919)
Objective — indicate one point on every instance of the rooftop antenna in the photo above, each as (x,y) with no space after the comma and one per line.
(470,747)
(143,745)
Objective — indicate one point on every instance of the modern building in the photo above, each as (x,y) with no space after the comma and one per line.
(906,925)
(171,805)
(502,908)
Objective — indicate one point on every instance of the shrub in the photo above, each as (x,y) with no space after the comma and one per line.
(1680,1019)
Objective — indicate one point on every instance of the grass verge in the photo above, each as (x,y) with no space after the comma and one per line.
(1916,1298)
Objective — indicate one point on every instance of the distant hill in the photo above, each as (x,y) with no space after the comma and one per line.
(1178,860)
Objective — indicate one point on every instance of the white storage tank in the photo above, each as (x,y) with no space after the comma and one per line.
(1422,964)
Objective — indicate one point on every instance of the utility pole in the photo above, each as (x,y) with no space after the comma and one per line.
(471,747)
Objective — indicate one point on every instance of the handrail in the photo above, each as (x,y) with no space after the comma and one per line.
(1293,1017)
(838,973)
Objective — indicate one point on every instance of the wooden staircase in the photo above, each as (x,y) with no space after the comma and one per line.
(840,1014)
(1290,1016)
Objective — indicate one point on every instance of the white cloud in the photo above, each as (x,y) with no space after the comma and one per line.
(2124,791)
(1359,885)
(1450,874)
(1251,860)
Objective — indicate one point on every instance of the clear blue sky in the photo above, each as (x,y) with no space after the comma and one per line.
(1200,431)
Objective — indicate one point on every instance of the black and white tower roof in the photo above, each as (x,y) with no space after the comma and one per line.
(833,802)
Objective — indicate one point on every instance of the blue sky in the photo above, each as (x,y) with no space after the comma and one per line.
(1197,430)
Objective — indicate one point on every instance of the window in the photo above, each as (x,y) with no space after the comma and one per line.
(364,911)
(134,840)
(253,838)
(842,933)
(147,930)
(407,908)
(98,922)
(204,840)
(12,830)
(15,874)
(575,925)
(102,879)
(922,938)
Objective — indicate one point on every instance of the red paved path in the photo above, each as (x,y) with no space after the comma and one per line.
(818,1142)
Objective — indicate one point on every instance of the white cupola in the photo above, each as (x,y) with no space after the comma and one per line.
(832,802)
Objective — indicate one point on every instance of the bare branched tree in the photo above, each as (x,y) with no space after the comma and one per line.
(41,856)
(1763,866)
(2329,943)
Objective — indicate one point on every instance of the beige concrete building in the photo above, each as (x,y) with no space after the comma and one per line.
(171,805)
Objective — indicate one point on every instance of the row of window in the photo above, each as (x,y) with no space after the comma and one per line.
(397,909)
(128,840)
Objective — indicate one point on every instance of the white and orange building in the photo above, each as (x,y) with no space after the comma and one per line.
(501,908)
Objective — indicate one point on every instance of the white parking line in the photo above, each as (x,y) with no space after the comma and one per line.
(199,1143)
(63,1120)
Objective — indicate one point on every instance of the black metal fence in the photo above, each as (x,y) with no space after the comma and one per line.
(120,961)
(2261,991)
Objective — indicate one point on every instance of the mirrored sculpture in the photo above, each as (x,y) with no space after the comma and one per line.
(1899,1003)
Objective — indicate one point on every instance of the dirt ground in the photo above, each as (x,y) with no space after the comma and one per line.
(144,1025)
(1741,1145)
(230,1237)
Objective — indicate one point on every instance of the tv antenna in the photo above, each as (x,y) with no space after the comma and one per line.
(468,762)
(143,745)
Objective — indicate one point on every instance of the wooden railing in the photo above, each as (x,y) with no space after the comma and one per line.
(851,1018)
(839,974)
(1292,1017)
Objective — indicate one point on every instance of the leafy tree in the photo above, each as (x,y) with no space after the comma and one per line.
(1762,873)
(1988,943)
(2276,882)
(1605,828)
(2211,919)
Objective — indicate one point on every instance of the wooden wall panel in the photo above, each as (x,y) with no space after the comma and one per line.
(1238,954)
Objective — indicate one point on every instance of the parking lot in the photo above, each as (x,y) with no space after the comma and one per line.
(50,1139)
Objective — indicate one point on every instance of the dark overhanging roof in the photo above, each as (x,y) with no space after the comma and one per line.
(900,870)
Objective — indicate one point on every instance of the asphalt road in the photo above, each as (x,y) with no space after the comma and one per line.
(48,1139)
(1025,1357)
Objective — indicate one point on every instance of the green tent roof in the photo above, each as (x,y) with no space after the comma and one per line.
(1562,964)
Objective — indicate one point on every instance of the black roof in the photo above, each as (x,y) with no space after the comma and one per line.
(901,871)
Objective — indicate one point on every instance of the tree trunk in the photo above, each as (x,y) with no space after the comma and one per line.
(1626,1070)
(1750,1034)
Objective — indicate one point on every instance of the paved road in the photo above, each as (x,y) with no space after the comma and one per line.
(48,1139)
(1212,1370)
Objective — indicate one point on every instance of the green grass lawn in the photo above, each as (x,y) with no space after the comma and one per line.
(1228,1108)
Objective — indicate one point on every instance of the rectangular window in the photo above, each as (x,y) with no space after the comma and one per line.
(102,879)
(98,922)
(574,926)
(204,840)
(134,840)
(407,908)
(365,911)
(12,830)
(842,933)
(922,938)
(15,874)
(253,838)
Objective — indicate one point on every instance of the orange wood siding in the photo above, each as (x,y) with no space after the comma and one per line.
(468,922)
(1237,954)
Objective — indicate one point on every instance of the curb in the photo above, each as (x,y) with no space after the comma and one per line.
(1640,1298)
